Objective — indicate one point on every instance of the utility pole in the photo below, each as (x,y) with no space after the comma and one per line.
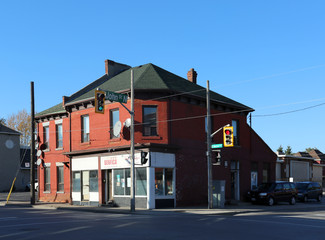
(132,146)
(32,147)
(210,203)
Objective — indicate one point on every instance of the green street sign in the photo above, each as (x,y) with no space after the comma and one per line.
(116,97)
(220,145)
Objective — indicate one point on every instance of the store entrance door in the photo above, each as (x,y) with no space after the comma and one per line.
(85,186)
(234,181)
(108,186)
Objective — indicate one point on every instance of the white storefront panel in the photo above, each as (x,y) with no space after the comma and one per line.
(86,163)
(162,163)
(79,165)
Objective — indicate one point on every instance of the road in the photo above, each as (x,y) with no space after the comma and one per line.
(31,223)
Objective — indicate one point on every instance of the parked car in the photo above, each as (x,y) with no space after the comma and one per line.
(309,190)
(273,192)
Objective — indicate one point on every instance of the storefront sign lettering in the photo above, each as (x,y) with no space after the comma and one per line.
(109,162)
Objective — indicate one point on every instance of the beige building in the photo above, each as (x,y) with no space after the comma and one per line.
(298,167)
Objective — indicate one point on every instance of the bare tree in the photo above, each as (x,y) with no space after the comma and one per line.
(2,121)
(21,123)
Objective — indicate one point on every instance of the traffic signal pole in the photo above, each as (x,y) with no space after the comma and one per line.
(132,194)
(210,203)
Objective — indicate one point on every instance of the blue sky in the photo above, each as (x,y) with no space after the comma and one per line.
(268,55)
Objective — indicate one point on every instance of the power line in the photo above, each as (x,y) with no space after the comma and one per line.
(275,75)
(282,113)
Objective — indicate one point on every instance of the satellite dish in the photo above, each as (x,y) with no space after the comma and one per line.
(39,153)
(117,128)
(39,162)
(127,122)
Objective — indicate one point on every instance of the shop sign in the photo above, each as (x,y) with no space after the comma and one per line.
(121,161)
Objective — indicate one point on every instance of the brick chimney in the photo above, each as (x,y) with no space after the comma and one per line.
(64,100)
(191,75)
(113,68)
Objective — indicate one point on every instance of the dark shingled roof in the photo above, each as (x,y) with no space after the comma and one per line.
(4,129)
(146,77)
(53,110)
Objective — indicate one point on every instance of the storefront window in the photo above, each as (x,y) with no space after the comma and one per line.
(76,182)
(164,181)
(119,182)
(169,181)
(141,181)
(122,182)
(159,180)
(93,181)
(127,181)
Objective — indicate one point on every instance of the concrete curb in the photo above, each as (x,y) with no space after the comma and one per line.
(228,210)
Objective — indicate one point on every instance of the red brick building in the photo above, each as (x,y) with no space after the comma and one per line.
(83,162)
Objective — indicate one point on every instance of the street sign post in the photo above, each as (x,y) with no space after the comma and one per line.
(220,145)
(116,97)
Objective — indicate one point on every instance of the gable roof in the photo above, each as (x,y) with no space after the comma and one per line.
(315,153)
(57,109)
(146,77)
(302,154)
(7,130)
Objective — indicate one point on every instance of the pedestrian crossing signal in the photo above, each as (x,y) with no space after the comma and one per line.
(228,136)
(143,157)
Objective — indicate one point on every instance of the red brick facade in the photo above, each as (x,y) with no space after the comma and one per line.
(180,130)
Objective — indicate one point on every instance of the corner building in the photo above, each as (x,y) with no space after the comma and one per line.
(83,162)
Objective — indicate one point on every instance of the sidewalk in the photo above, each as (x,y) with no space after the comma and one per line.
(23,200)
(241,208)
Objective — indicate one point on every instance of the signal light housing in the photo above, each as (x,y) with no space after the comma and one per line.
(143,157)
(228,136)
(217,157)
(99,101)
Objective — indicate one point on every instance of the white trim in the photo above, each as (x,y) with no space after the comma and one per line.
(59,121)
(47,164)
(59,164)
(85,163)
(46,124)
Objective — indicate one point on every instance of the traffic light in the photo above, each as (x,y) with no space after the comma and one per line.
(99,101)
(228,136)
(143,157)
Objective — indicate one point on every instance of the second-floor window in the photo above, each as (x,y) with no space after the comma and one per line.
(150,121)
(85,128)
(114,118)
(59,136)
(46,136)
(235,124)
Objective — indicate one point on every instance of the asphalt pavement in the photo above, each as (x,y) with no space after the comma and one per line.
(22,199)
